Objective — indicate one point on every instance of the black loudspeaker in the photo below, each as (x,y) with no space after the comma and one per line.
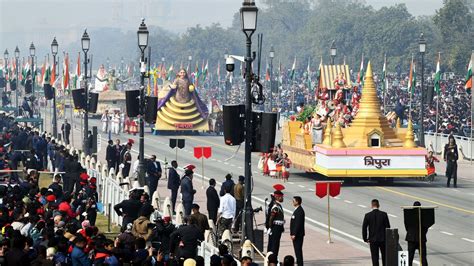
(28,86)
(264,129)
(258,238)
(93,102)
(430,94)
(151,109)
(234,124)
(13,85)
(48,91)
(391,246)
(78,97)
(133,102)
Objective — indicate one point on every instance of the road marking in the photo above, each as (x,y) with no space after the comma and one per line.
(291,183)
(446,233)
(240,167)
(301,186)
(233,165)
(311,189)
(391,215)
(425,199)
(362,206)
(337,198)
(348,201)
(467,239)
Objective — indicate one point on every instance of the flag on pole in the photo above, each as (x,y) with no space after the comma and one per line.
(468,83)
(267,74)
(437,78)
(280,77)
(43,71)
(78,72)
(218,71)
(308,73)
(384,73)
(53,74)
(204,72)
(66,74)
(293,69)
(412,77)
(47,74)
(360,76)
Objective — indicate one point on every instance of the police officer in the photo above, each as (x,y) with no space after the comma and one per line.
(276,223)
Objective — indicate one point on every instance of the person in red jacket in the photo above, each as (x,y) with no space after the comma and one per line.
(65,207)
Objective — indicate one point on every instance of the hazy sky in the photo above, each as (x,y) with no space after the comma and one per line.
(23,21)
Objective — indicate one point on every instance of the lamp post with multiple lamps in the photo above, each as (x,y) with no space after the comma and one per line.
(85,43)
(33,74)
(271,56)
(333,52)
(54,51)
(248,15)
(142,34)
(422,46)
(17,58)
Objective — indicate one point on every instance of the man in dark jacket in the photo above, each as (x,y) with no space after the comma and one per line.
(227,183)
(153,172)
(376,221)
(200,219)
(66,130)
(213,200)
(111,155)
(173,183)
(187,236)
(129,209)
(413,239)
(187,190)
(297,231)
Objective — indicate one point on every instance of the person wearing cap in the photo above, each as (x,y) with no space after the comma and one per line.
(226,212)
(187,190)
(162,233)
(277,222)
(173,183)
(201,219)
(213,200)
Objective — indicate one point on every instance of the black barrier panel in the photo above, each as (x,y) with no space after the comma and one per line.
(132,102)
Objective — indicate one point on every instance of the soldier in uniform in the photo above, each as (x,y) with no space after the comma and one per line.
(276,223)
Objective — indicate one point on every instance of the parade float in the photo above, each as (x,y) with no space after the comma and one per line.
(180,108)
(366,147)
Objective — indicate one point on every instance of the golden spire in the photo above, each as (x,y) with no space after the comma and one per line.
(409,137)
(327,133)
(398,125)
(337,137)
(369,117)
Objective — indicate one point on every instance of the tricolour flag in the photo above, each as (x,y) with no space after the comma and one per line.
(360,76)
(218,71)
(384,73)
(293,69)
(47,74)
(66,73)
(412,77)
(437,78)
(170,72)
(204,72)
(308,73)
(468,83)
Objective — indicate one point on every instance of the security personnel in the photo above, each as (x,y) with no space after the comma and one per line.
(276,223)
(297,231)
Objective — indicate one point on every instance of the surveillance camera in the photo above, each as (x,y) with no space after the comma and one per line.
(230,64)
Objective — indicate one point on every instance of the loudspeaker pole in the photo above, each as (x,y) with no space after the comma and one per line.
(85,146)
(142,35)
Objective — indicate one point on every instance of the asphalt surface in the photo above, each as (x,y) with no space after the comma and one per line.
(450,240)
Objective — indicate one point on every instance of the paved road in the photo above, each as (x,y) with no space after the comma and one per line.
(450,240)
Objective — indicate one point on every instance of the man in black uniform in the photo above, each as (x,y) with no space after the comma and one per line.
(297,229)
(184,241)
(111,155)
(376,221)
(213,200)
(66,129)
(173,183)
(413,239)
(276,222)
(129,209)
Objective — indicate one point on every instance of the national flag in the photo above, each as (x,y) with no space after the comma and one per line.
(53,74)
(163,72)
(218,71)
(267,74)
(412,77)
(43,71)
(293,69)
(77,74)
(308,73)
(384,74)
(204,72)
(47,74)
(468,83)
(66,76)
(170,73)
(437,78)
(360,76)
(280,76)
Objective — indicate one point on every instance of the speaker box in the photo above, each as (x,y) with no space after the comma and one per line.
(133,102)
(430,94)
(94,139)
(28,86)
(78,97)
(264,129)
(151,109)
(258,238)
(48,91)
(234,124)
(93,102)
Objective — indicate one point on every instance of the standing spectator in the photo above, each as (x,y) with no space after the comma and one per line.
(226,212)
(239,199)
(187,190)
(66,130)
(184,241)
(105,121)
(141,226)
(227,183)
(200,219)
(413,239)
(376,222)
(276,223)
(213,200)
(129,209)
(153,171)
(111,155)
(297,231)
(451,157)
(173,183)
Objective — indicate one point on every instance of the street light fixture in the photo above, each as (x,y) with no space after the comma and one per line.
(271,55)
(17,57)
(142,34)
(32,49)
(5,55)
(422,44)
(54,51)
(248,15)
(86,42)
(33,71)
(333,51)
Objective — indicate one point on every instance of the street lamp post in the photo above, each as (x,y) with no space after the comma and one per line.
(422,44)
(333,51)
(54,51)
(85,42)
(248,14)
(226,54)
(142,44)
(271,55)
(190,58)
(5,57)
(17,57)
(33,74)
